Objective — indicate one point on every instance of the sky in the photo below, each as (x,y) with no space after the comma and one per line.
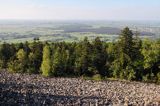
(80,9)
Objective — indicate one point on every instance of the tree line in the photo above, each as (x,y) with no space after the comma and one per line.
(128,58)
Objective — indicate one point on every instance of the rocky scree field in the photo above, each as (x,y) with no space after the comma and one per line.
(24,89)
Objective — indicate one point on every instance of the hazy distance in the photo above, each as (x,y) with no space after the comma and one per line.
(80,9)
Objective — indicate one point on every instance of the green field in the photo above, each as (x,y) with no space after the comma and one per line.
(69,31)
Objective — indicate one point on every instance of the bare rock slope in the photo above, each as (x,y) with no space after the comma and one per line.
(24,89)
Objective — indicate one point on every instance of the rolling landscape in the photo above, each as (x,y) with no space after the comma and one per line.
(79,53)
(70,31)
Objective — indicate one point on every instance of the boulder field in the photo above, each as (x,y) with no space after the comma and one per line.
(25,89)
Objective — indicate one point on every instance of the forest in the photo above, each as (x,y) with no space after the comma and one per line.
(128,58)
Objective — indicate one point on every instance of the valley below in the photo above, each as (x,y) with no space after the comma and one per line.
(73,31)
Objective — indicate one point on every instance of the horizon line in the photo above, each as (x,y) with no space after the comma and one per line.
(77,20)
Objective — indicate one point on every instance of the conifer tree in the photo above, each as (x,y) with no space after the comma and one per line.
(83,60)
(137,57)
(99,56)
(122,64)
(57,63)
(151,62)
(7,52)
(35,56)
(46,62)
(126,42)
(20,64)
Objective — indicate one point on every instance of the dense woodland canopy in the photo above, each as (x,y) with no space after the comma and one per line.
(128,58)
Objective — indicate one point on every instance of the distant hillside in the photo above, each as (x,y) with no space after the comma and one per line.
(101,30)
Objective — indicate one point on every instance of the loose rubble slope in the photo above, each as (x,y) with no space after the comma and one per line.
(18,89)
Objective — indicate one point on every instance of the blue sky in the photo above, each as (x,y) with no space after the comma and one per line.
(80,9)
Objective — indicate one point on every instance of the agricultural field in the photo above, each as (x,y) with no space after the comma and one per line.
(21,31)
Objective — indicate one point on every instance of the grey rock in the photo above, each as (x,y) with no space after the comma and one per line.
(25,89)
